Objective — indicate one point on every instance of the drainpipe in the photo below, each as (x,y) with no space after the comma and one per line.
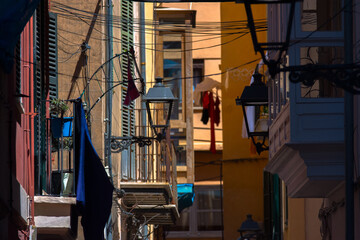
(143,72)
(109,84)
(349,125)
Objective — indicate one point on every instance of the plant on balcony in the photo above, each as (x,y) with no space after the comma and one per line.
(67,144)
(60,125)
(58,107)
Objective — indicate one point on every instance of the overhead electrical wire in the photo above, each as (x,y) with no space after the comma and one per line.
(238,24)
(118,21)
(77,17)
(102,17)
(161,50)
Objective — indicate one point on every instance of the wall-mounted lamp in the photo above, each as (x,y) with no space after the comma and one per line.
(159,101)
(250,229)
(255,98)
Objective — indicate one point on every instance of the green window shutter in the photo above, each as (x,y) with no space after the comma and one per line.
(276,207)
(37,41)
(53,67)
(38,95)
(128,116)
(41,26)
(272,206)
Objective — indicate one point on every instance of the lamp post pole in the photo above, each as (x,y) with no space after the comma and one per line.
(349,124)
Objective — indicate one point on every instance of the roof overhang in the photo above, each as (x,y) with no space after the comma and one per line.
(176,13)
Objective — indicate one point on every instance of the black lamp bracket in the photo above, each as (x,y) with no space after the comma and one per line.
(345,76)
(260,146)
(119,144)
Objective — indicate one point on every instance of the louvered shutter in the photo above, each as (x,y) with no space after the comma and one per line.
(37,78)
(53,77)
(128,119)
(128,116)
(40,38)
(38,96)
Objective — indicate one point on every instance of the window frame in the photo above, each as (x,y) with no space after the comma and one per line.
(160,72)
(298,33)
(193,213)
(295,88)
(198,63)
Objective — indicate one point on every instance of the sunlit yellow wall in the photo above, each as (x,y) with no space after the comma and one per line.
(303,221)
(242,168)
(149,39)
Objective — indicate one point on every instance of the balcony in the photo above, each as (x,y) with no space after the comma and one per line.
(54,218)
(148,178)
(306,146)
(55,199)
(144,174)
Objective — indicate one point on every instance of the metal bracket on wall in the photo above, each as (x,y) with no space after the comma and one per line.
(119,144)
(345,76)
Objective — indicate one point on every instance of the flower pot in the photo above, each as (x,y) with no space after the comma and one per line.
(66,127)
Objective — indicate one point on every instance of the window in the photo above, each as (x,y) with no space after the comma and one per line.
(198,71)
(203,219)
(322,87)
(208,210)
(172,69)
(198,75)
(321,15)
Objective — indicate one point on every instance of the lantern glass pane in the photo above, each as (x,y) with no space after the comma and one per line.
(257,118)
(159,112)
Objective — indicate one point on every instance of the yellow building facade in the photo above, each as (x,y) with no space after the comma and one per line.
(242,167)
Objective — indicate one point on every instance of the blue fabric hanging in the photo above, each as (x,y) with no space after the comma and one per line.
(186,196)
(64,125)
(93,190)
(14,15)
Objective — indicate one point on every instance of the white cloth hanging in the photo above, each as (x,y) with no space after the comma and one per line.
(207,85)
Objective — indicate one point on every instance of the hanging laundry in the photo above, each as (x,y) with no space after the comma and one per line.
(132,93)
(217,111)
(205,112)
(207,85)
(212,123)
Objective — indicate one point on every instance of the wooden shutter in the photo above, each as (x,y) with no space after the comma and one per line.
(272,206)
(48,44)
(128,115)
(53,68)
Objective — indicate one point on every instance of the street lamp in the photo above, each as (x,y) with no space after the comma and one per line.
(250,229)
(159,101)
(254,102)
